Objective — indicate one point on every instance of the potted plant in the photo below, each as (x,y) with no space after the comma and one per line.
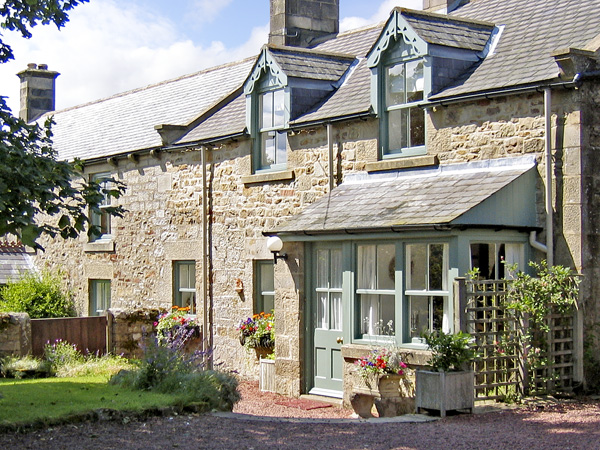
(258,333)
(449,383)
(384,382)
(177,324)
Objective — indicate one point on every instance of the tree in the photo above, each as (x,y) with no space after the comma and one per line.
(33,182)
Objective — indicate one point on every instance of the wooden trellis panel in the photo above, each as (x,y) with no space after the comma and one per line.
(501,369)
(497,372)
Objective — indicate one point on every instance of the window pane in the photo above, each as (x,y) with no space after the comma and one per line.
(386,270)
(267,110)
(438,312)
(278,108)
(436,267)
(188,300)
(366,266)
(414,81)
(267,278)
(394,89)
(417,269)
(336,269)
(397,129)
(268,148)
(419,315)
(369,313)
(336,311)
(417,127)
(281,141)
(322,311)
(386,318)
(268,303)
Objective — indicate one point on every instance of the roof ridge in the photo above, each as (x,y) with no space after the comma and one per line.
(447,17)
(149,86)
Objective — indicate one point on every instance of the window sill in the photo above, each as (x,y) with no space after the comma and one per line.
(402,163)
(267,177)
(99,246)
(415,354)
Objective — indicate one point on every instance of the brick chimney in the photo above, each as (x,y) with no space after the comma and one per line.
(37,91)
(442,6)
(299,23)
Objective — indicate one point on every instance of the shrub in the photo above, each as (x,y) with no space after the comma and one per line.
(39,295)
(450,352)
(168,369)
(24,367)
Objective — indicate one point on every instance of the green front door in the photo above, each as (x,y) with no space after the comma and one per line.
(327,313)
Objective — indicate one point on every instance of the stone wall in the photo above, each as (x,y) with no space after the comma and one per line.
(130,329)
(164,203)
(15,334)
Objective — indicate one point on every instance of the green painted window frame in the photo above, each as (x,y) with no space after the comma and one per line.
(429,289)
(401,333)
(102,219)
(406,108)
(100,296)
(183,287)
(501,254)
(264,286)
(273,130)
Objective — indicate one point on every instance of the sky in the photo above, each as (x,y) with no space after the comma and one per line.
(112,46)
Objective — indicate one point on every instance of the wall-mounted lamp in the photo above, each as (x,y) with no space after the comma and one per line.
(275,244)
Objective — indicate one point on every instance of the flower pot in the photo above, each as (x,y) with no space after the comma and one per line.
(444,391)
(387,392)
(266,381)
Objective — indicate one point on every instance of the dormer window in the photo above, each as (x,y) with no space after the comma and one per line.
(403,121)
(271,141)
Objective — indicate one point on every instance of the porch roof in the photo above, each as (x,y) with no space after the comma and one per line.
(495,193)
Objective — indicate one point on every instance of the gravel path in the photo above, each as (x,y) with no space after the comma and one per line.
(566,426)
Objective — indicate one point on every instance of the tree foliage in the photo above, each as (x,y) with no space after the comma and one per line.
(34,183)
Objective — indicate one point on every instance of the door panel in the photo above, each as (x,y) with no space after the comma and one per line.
(328,322)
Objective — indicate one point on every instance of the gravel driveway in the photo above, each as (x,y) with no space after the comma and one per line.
(565,426)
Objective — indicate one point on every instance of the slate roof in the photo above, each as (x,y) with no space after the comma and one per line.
(308,64)
(13,261)
(449,31)
(406,198)
(125,122)
(532,30)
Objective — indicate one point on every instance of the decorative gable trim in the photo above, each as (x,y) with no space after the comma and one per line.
(265,64)
(395,28)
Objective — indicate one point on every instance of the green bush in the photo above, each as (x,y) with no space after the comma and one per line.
(39,295)
(169,369)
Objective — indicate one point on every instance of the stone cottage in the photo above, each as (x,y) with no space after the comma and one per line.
(388,159)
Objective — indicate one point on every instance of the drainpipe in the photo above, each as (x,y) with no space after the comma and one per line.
(548,148)
(330,149)
(206,325)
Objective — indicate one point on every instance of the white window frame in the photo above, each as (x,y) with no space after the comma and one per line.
(269,127)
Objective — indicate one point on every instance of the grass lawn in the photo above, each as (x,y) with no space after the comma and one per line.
(26,401)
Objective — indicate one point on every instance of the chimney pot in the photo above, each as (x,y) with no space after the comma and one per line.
(43,67)
(32,66)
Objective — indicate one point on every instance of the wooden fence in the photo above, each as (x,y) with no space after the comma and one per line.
(89,334)
(507,365)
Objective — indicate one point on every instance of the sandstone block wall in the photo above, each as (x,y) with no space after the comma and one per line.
(15,334)
(164,203)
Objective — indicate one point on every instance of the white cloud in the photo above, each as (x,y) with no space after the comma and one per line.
(206,10)
(109,47)
(382,13)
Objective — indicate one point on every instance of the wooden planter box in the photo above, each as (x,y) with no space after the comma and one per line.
(445,391)
(266,381)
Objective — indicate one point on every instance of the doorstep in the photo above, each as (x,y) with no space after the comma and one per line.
(321,398)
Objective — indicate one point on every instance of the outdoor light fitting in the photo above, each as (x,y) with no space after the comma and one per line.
(275,244)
